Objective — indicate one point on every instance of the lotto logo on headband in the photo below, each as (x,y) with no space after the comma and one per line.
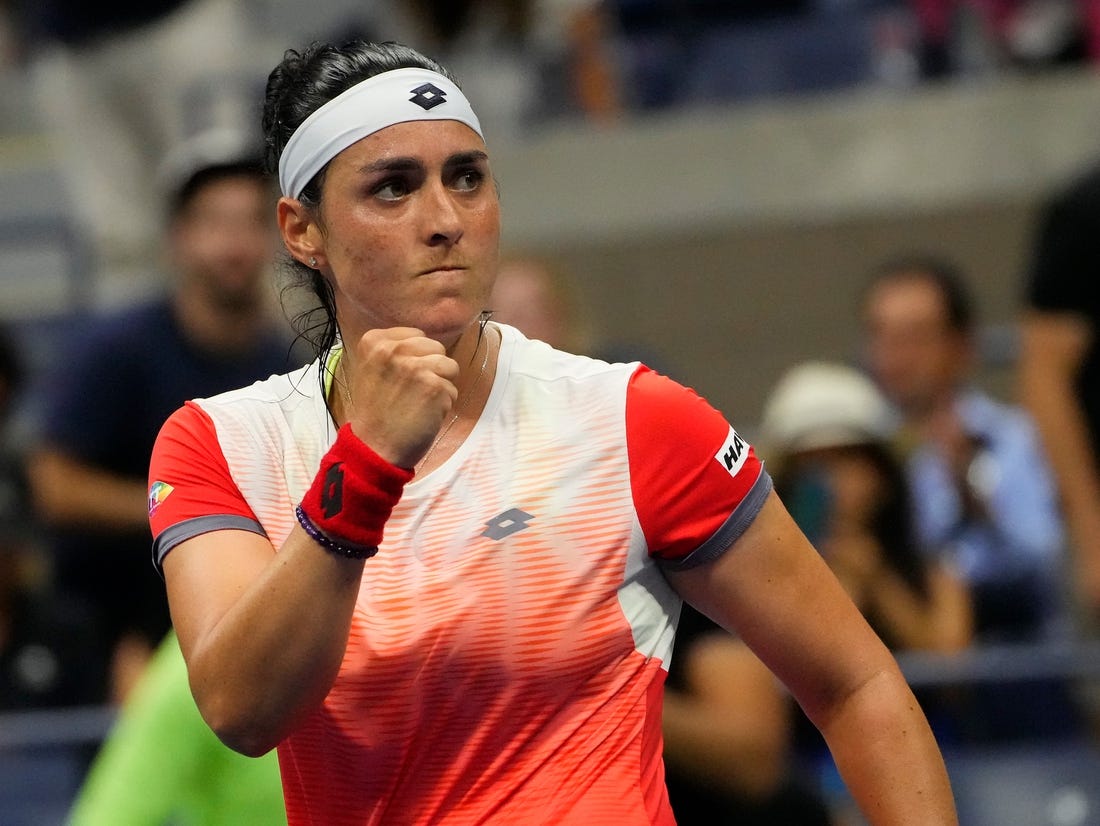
(428,96)
(364,109)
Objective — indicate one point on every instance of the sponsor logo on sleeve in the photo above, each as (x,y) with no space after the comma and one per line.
(158,492)
(733,453)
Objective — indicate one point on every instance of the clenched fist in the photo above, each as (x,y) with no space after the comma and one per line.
(402,386)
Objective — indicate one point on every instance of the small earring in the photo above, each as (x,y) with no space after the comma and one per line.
(313,262)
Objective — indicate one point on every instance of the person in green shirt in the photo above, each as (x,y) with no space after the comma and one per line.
(161,764)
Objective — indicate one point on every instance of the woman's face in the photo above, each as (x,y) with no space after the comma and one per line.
(856,484)
(848,479)
(410,229)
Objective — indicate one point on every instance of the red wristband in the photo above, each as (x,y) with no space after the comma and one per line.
(353,494)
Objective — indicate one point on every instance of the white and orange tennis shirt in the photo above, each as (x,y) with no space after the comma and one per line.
(510,643)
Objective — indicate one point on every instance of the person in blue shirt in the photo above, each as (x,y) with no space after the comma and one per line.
(982,486)
(983,492)
(122,374)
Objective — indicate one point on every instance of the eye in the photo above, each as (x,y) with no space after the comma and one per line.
(467,180)
(392,189)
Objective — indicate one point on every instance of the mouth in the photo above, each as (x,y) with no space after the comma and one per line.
(443,269)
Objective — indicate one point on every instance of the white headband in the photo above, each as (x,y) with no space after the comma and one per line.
(397,96)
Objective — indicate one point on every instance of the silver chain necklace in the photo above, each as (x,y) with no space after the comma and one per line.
(458,411)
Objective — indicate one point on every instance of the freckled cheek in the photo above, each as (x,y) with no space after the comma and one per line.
(490,216)
(358,275)
(485,235)
(369,254)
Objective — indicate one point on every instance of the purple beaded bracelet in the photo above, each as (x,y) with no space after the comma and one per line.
(348,550)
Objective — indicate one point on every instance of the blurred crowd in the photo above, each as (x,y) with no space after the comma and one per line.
(953,517)
(116,86)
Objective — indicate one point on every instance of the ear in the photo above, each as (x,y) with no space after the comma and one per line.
(301,233)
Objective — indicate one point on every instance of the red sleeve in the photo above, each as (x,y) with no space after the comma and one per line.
(191,490)
(696,483)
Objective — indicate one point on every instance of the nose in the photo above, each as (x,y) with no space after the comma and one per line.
(443,217)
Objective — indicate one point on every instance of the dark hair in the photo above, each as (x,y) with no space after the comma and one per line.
(892,523)
(944,275)
(203,176)
(302,83)
(893,527)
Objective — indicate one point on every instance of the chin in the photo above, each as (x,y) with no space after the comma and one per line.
(452,318)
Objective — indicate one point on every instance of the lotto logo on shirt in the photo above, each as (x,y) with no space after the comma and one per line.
(158,492)
(733,453)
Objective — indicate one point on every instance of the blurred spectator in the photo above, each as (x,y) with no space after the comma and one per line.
(535,296)
(1060,365)
(981,485)
(562,41)
(14,526)
(706,52)
(9,38)
(119,83)
(730,732)
(729,736)
(46,643)
(539,297)
(527,61)
(826,430)
(162,764)
(122,378)
(966,37)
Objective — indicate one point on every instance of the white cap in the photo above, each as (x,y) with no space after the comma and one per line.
(821,404)
(209,148)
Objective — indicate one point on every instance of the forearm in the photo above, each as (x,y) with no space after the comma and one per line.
(779,595)
(273,655)
(1053,350)
(1070,451)
(71,493)
(887,755)
(264,633)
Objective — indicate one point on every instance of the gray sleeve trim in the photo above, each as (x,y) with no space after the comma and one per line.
(190,528)
(731,529)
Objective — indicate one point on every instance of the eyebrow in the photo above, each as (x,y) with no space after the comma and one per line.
(405,164)
(467,158)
